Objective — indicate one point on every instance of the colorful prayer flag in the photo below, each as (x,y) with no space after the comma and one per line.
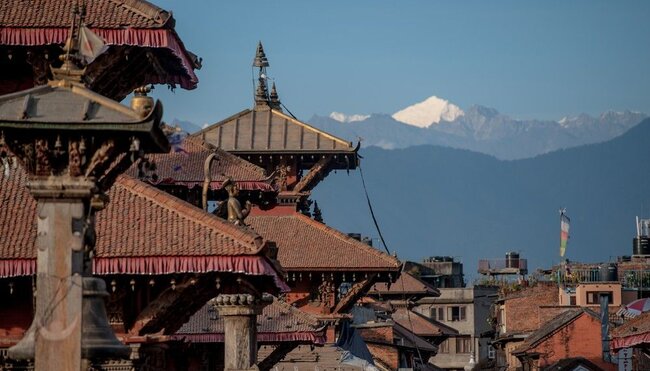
(564,232)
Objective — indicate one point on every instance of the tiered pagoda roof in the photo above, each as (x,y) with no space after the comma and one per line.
(278,322)
(255,131)
(307,245)
(142,231)
(184,166)
(143,45)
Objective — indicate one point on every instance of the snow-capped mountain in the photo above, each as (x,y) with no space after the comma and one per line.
(432,110)
(481,129)
(342,117)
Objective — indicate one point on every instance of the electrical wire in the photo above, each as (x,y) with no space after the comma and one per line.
(372,213)
(383,241)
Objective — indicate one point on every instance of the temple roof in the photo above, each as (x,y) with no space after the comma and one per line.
(406,284)
(185,166)
(279,322)
(63,105)
(100,14)
(305,244)
(144,48)
(141,231)
(272,131)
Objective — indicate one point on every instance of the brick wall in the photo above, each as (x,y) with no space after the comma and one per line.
(580,338)
(522,308)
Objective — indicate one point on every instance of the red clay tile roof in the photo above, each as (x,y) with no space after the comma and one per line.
(161,224)
(305,244)
(184,166)
(17,217)
(138,221)
(278,322)
(421,325)
(406,284)
(118,22)
(632,333)
(99,14)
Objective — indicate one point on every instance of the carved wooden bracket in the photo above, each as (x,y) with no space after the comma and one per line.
(356,291)
(317,172)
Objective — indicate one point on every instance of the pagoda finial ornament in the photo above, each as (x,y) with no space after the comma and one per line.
(260,57)
(261,93)
(274,99)
(70,69)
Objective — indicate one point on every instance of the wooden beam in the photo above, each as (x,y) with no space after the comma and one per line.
(356,291)
(277,355)
(317,172)
(173,307)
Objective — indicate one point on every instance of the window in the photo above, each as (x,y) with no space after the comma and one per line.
(438,313)
(456,313)
(444,347)
(593,297)
(463,344)
(572,300)
(491,352)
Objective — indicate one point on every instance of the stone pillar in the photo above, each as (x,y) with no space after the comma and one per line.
(239,313)
(62,211)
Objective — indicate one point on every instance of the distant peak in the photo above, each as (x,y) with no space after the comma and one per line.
(432,110)
(342,117)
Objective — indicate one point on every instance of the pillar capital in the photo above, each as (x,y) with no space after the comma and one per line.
(239,312)
(238,304)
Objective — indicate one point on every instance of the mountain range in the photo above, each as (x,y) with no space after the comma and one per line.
(480,129)
(434,200)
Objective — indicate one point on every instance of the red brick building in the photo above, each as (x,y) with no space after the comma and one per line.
(574,333)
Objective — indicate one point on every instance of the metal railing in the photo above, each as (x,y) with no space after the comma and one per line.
(629,279)
(500,264)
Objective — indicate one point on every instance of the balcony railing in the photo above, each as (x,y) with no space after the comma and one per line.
(629,279)
(502,265)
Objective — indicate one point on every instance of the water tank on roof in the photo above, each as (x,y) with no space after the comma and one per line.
(512,259)
(641,243)
(641,246)
(609,272)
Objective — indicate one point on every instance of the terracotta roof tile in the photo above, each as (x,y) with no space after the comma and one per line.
(635,326)
(139,220)
(421,325)
(184,166)
(99,14)
(304,244)
(276,318)
(405,284)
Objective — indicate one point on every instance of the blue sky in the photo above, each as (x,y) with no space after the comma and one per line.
(528,59)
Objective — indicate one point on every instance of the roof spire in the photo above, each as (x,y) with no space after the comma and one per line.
(260,57)
(274,101)
(261,93)
(70,70)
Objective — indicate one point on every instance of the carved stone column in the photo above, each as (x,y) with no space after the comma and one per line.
(239,313)
(61,217)
(72,144)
